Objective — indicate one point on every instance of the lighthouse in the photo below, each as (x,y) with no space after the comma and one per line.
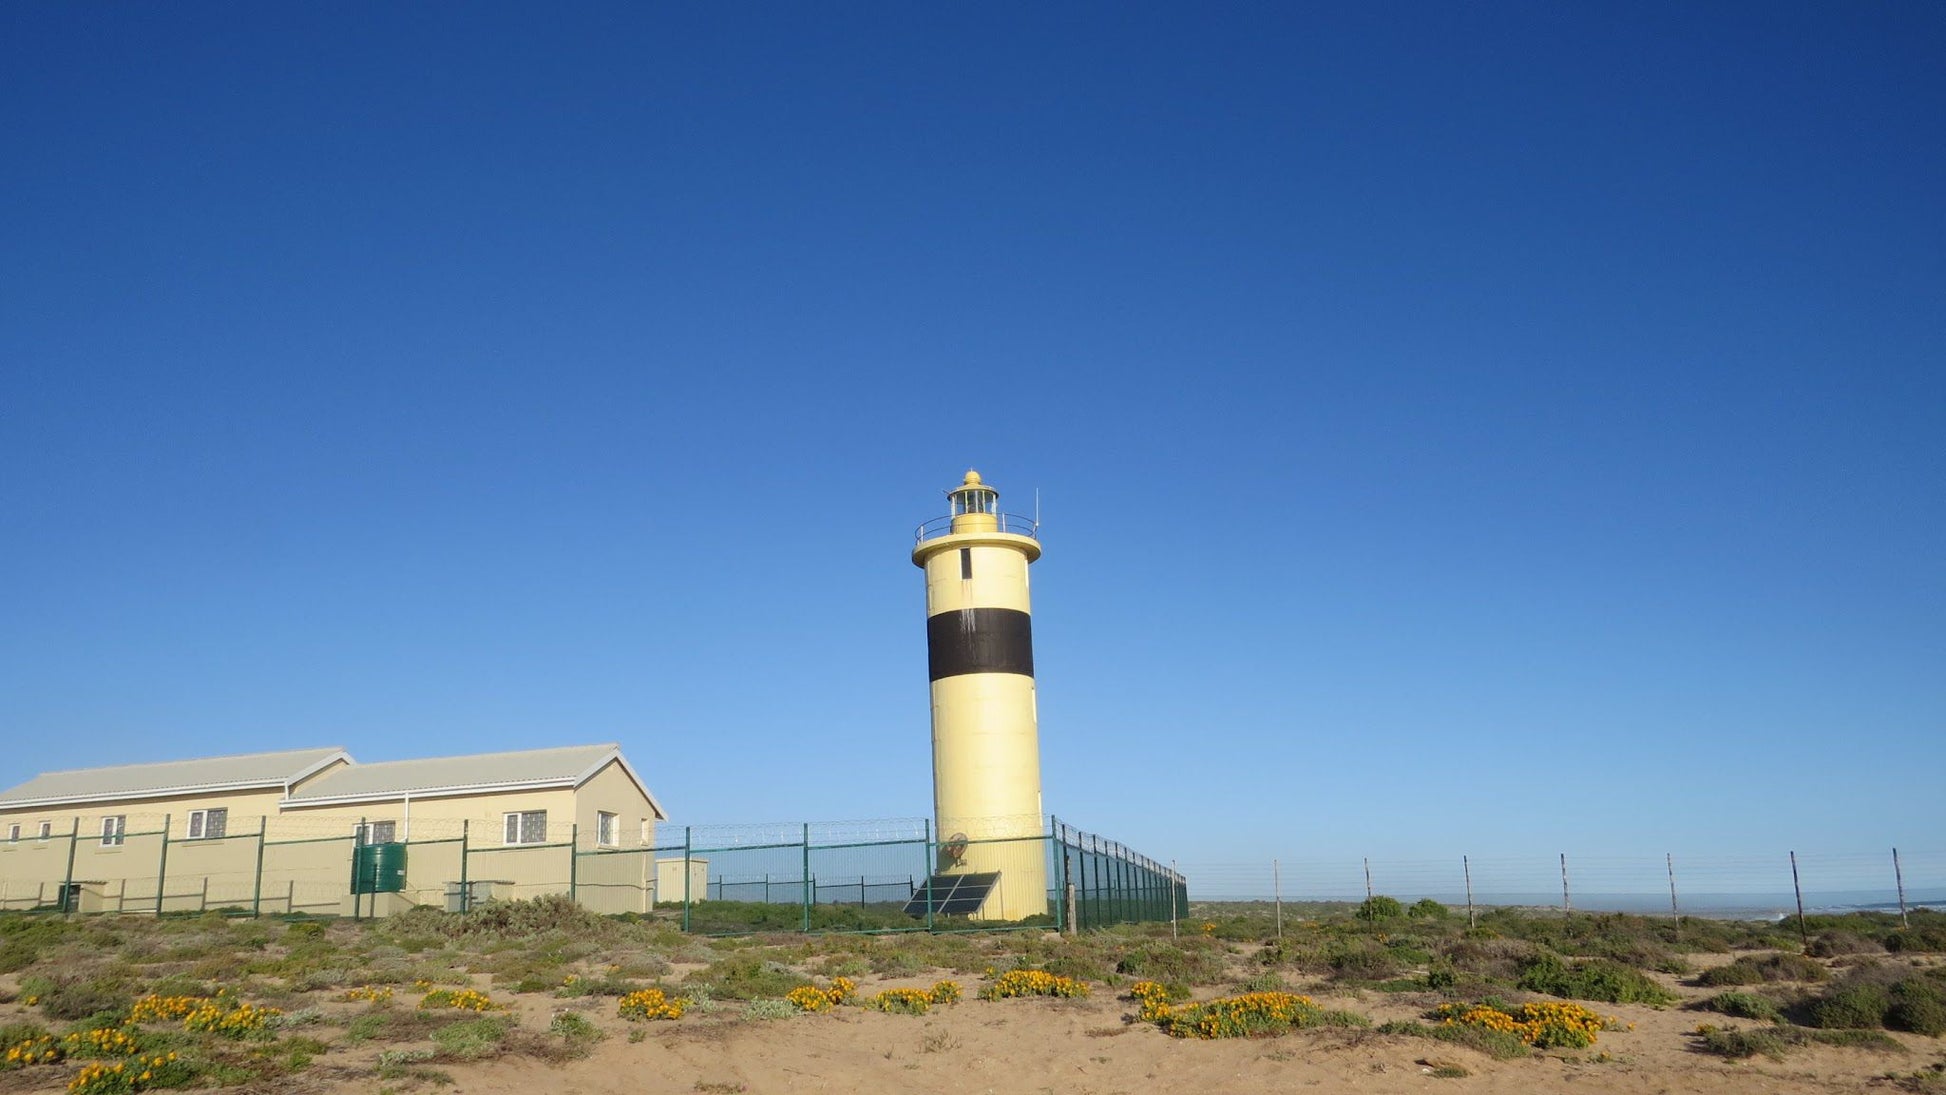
(986,757)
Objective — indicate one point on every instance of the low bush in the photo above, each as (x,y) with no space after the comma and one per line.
(649,1004)
(1015,983)
(769,1009)
(1499,1045)
(1542,1025)
(1599,979)
(745,976)
(575,1030)
(1917,1005)
(1193,964)
(1840,944)
(1381,907)
(1248,1015)
(1744,1005)
(1859,1004)
(471,1039)
(1361,960)
(1763,969)
(1737,1044)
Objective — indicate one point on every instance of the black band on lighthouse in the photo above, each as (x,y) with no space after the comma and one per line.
(980,640)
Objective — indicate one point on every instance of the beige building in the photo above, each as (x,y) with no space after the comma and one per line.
(278,832)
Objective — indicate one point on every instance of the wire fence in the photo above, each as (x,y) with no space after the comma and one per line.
(875,875)
(1667,884)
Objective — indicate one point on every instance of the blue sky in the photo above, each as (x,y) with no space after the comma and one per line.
(1500,429)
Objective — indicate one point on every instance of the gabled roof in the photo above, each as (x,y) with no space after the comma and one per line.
(442,777)
(171,777)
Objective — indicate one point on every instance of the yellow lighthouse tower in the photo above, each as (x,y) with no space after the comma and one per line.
(986,756)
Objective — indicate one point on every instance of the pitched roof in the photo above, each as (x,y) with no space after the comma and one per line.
(568,766)
(171,777)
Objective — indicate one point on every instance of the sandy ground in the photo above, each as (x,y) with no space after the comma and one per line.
(1090,1046)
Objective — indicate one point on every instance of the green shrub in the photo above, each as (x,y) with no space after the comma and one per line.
(1600,979)
(1919,1006)
(1737,1044)
(1833,944)
(1427,909)
(1856,1039)
(1928,939)
(1361,960)
(1857,1004)
(1744,1005)
(746,976)
(1498,1044)
(470,1039)
(1491,958)
(769,1009)
(1381,907)
(1195,964)
(1763,969)
(575,1030)
(70,998)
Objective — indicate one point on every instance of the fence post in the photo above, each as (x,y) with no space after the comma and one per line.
(1466,867)
(257,884)
(1899,875)
(357,842)
(931,860)
(1567,903)
(1277,895)
(1070,905)
(1803,936)
(685,876)
(162,867)
(1175,902)
(809,894)
(69,904)
(574,862)
(1674,910)
(465,853)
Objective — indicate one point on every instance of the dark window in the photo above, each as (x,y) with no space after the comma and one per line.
(965,563)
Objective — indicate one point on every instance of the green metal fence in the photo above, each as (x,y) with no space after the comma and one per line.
(866,876)
(871,877)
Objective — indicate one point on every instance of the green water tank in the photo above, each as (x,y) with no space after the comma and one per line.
(378,868)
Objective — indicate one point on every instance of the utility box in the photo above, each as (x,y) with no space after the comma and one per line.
(669,881)
(378,868)
(463,896)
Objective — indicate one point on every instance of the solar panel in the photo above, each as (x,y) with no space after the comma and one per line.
(952,894)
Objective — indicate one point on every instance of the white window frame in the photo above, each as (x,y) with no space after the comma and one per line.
(46,831)
(199,823)
(367,834)
(514,827)
(13,833)
(608,829)
(114,830)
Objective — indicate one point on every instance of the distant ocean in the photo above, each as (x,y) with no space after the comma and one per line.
(1721,906)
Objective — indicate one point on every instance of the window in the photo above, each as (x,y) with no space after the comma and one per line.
(528,827)
(605,829)
(13,834)
(208,824)
(379,832)
(112,830)
(965,563)
(47,830)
